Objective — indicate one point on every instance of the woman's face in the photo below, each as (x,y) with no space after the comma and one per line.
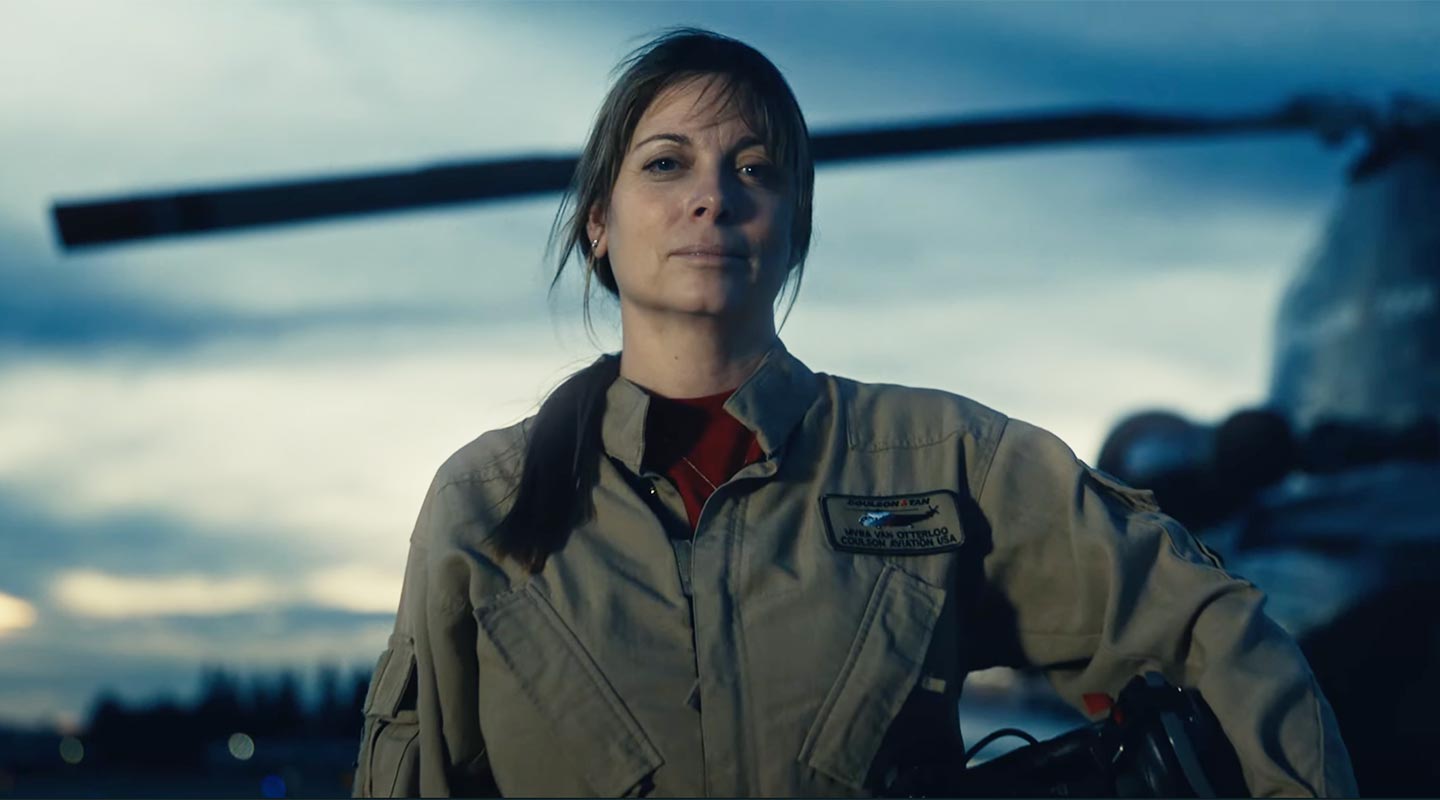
(699,218)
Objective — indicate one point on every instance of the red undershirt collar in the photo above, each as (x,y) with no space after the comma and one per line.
(697,445)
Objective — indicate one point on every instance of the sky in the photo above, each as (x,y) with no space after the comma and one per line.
(212,450)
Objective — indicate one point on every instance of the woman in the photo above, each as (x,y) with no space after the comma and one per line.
(703,569)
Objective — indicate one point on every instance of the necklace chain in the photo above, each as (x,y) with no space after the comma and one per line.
(710,483)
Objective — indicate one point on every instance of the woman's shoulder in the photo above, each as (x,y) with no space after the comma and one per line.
(495,455)
(1017,469)
(471,492)
(882,415)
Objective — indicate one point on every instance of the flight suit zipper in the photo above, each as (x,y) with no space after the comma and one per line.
(684,550)
(764,468)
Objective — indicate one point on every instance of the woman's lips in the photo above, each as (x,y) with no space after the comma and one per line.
(710,260)
(708,256)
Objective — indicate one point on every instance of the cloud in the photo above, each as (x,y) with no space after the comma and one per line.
(997,227)
(43,540)
(95,594)
(359,588)
(292,88)
(348,587)
(1207,51)
(15,614)
(883,60)
(330,438)
(473,267)
(1072,356)
(192,95)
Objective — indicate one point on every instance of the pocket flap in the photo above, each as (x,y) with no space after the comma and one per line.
(883,667)
(1135,499)
(393,674)
(561,679)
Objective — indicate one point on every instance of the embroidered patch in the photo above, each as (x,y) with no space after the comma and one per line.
(903,524)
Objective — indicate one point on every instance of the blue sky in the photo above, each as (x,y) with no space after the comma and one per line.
(212,450)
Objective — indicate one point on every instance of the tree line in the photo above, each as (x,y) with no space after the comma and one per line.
(171,734)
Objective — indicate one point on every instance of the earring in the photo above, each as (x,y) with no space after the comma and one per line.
(594,243)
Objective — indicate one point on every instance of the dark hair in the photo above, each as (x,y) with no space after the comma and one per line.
(562,451)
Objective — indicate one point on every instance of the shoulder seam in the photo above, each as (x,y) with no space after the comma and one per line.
(848,389)
(1158,519)
(473,476)
(988,459)
(909,444)
(471,479)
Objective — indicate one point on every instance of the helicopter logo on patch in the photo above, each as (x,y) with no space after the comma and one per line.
(909,524)
(893,519)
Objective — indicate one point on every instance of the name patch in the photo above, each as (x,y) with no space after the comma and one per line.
(901,524)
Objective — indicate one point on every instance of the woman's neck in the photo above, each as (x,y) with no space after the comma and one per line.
(692,355)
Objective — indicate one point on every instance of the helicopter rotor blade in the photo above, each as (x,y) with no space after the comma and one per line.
(1022,131)
(87,223)
(92,222)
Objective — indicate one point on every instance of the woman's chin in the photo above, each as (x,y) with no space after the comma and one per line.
(715,301)
(727,306)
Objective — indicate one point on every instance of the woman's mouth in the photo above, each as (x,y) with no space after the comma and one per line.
(709,255)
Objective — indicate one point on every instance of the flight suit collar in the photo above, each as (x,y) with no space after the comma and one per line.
(771,402)
(623,429)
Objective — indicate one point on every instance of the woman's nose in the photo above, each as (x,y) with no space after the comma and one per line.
(714,197)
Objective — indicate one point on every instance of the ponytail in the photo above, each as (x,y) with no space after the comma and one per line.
(561,467)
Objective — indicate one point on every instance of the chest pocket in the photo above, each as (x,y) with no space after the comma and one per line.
(588,719)
(881,670)
(389,764)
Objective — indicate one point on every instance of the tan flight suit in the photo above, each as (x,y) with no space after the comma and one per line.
(815,632)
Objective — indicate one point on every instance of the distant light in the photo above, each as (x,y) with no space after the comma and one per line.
(71,750)
(67,723)
(15,614)
(241,746)
(272,786)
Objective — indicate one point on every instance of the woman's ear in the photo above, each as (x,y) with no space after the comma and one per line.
(595,229)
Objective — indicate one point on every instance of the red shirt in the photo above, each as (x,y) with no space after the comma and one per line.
(697,445)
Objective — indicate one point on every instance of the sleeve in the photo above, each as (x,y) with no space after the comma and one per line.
(1096,586)
(421,735)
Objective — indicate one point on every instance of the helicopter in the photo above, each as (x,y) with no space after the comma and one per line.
(1321,496)
(1318,495)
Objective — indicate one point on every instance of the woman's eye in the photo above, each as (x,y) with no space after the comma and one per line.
(760,172)
(662,165)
